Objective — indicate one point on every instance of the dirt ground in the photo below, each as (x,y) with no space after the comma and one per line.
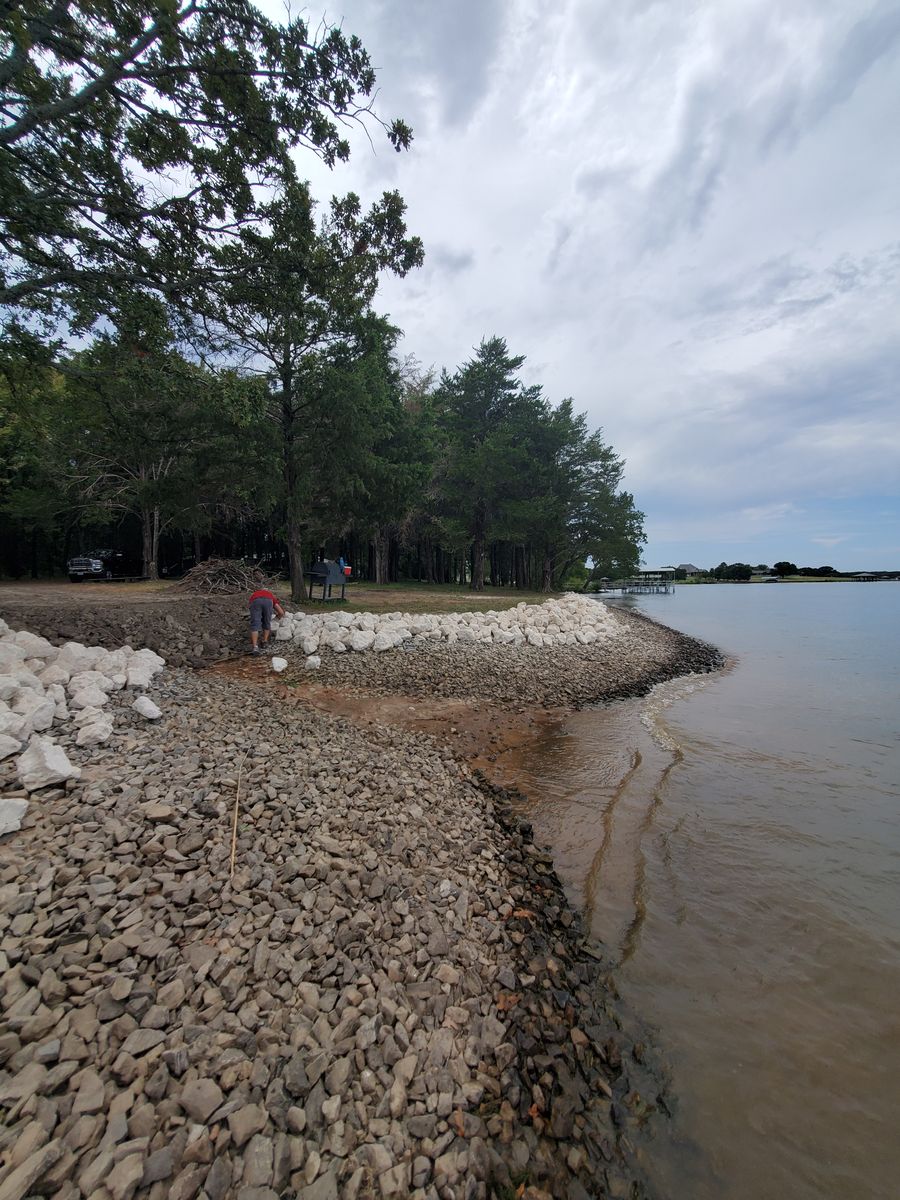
(483,733)
(27,594)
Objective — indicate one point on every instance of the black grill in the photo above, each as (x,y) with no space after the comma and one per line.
(326,574)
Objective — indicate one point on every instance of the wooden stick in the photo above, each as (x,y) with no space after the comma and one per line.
(237,801)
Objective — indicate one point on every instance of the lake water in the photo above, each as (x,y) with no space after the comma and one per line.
(734,840)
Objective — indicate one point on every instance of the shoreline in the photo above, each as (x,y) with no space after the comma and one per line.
(504,1060)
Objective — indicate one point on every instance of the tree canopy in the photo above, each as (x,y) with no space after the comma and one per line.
(193,360)
(136,138)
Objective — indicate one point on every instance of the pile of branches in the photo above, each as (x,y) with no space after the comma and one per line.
(224,577)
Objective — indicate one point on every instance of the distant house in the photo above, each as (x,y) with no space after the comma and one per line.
(690,570)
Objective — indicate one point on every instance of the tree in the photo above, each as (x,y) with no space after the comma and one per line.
(295,312)
(148,433)
(785,568)
(474,408)
(517,471)
(136,137)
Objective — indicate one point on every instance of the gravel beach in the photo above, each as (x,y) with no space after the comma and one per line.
(388,997)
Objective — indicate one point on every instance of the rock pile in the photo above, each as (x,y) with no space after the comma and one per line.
(390,998)
(184,630)
(638,654)
(572,620)
(46,689)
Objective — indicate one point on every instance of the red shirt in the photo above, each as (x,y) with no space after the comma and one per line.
(262,594)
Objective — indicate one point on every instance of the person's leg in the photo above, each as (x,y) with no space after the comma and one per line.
(255,625)
(266,621)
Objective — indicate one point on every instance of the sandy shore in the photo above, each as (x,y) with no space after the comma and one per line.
(389,997)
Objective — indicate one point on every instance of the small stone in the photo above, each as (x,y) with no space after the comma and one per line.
(159,1165)
(140,1041)
(123,1179)
(201,1098)
(246,1122)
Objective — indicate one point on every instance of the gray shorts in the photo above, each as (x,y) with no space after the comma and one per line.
(260,614)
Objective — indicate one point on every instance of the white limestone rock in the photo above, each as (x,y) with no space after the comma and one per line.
(146,708)
(38,709)
(279,665)
(55,674)
(309,645)
(43,764)
(87,716)
(96,733)
(89,697)
(13,724)
(75,657)
(87,679)
(9,745)
(283,632)
(149,658)
(139,677)
(362,639)
(34,646)
(11,655)
(11,814)
(313,662)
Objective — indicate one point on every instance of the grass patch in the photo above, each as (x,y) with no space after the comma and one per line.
(426,598)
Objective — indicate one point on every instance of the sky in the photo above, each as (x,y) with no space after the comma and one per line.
(687,217)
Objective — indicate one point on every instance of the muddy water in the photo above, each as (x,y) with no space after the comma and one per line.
(735,842)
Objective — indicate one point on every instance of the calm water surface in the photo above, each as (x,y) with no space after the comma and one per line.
(735,842)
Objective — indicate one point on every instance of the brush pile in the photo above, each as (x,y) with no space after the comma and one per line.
(224,577)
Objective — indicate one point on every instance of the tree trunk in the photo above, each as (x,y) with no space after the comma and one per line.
(294,525)
(381,550)
(477,584)
(150,542)
(547,573)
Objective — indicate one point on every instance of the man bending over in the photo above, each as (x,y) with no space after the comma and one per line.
(261,604)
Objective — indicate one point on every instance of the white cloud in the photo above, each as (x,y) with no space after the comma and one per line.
(684,215)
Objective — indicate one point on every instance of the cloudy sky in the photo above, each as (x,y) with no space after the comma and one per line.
(687,217)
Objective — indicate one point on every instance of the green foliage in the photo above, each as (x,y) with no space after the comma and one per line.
(295,312)
(785,568)
(136,138)
(517,470)
(732,571)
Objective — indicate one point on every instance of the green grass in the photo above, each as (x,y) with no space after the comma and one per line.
(426,598)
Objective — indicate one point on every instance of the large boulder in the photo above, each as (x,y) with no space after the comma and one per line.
(11,814)
(89,697)
(37,709)
(44,764)
(11,655)
(34,646)
(87,679)
(95,733)
(362,639)
(9,745)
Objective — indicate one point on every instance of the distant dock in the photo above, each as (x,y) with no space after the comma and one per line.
(649,581)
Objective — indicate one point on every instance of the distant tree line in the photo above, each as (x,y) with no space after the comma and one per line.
(739,571)
(472,478)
